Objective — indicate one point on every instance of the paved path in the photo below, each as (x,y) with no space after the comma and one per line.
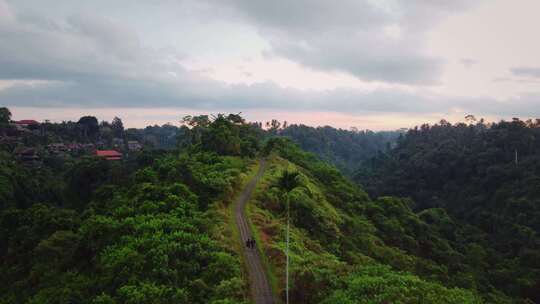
(261,291)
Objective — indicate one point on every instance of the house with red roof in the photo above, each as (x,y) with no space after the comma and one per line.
(109,154)
(26,122)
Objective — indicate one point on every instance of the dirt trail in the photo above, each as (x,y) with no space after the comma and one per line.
(261,291)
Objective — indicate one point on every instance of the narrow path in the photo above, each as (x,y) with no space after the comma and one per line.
(261,291)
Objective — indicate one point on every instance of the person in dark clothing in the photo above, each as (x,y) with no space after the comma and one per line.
(252,243)
(248,242)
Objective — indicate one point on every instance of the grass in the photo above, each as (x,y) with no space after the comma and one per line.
(226,231)
(259,216)
(263,224)
(266,263)
(238,246)
(254,231)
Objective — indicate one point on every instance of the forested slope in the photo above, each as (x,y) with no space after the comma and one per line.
(483,182)
(154,229)
(157,228)
(346,149)
(149,241)
(348,247)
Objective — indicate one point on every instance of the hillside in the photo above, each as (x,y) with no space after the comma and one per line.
(159,228)
(345,149)
(154,229)
(344,246)
(482,180)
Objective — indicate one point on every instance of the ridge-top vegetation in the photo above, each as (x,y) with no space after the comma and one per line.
(156,228)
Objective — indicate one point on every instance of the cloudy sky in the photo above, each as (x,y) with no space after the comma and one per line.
(377,64)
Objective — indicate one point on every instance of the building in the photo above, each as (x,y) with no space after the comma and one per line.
(134,145)
(109,154)
(26,122)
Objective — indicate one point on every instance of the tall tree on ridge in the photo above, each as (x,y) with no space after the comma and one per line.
(287,182)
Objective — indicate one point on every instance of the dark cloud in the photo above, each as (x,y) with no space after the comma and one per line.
(520,80)
(81,48)
(209,95)
(533,72)
(374,41)
(371,42)
(92,61)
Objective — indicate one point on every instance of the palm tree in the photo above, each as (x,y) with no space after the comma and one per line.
(287,182)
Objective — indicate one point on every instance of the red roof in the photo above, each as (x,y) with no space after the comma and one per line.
(108,153)
(27,122)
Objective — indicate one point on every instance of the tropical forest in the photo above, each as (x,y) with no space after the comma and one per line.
(222,210)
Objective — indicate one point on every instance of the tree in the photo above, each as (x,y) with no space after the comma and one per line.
(89,126)
(5,118)
(118,127)
(346,149)
(470,119)
(481,209)
(5,115)
(236,119)
(196,121)
(83,178)
(379,284)
(287,182)
(222,137)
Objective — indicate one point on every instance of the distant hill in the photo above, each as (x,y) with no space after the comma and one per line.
(346,149)
(484,176)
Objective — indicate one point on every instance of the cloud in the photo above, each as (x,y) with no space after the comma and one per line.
(95,62)
(533,72)
(6,15)
(468,62)
(516,80)
(77,49)
(210,95)
(374,41)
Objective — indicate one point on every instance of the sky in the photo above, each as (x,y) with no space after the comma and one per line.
(369,64)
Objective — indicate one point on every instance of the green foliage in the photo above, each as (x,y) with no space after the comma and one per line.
(288,180)
(156,137)
(379,284)
(84,177)
(89,126)
(224,135)
(149,293)
(345,149)
(152,229)
(20,187)
(5,119)
(335,220)
(117,127)
(144,240)
(5,115)
(476,188)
